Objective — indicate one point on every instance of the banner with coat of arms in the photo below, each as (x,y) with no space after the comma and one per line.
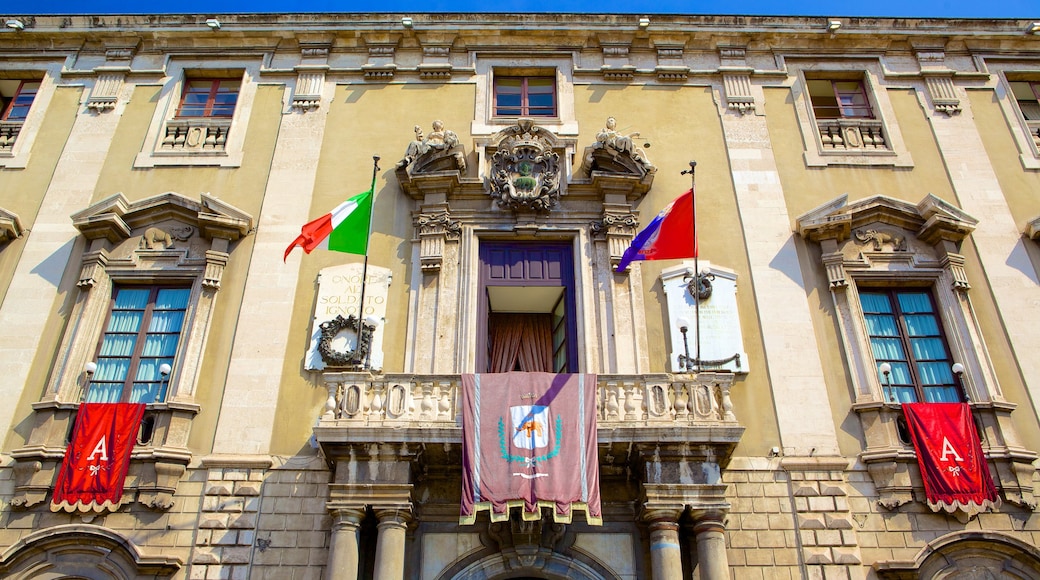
(529,440)
(97,459)
(950,456)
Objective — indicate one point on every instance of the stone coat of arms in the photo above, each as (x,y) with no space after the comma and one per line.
(525,171)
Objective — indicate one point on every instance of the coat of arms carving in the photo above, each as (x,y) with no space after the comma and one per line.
(525,171)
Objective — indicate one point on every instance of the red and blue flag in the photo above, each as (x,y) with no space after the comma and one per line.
(668,236)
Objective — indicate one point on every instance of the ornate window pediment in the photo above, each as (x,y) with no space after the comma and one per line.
(10,226)
(165,240)
(885,244)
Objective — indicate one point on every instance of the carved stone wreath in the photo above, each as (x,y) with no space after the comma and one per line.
(345,358)
(700,286)
(525,171)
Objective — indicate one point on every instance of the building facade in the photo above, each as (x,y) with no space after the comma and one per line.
(867,195)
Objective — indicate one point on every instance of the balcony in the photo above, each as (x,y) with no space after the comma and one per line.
(1034,132)
(631,409)
(196,135)
(852,135)
(8,133)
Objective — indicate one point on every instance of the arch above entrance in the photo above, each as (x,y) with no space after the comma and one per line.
(968,556)
(526,562)
(82,551)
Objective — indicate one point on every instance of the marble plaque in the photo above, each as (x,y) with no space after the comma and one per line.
(720,335)
(339,290)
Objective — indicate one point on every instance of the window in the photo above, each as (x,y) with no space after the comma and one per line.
(143,330)
(528,96)
(528,307)
(834,99)
(209,98)
(15,103)
(202,113)
(1027,94)
(16,98)
(905,333)
(846,114)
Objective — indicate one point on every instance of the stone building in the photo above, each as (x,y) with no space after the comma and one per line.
(857,180)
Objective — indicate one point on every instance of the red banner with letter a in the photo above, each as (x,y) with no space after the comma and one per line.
(96,462)
(529,440)
(949,454)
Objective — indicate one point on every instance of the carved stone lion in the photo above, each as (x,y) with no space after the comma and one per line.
(880,238)
(156,239)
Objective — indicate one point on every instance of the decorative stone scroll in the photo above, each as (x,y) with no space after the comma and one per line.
(525,171)
(722,343)
(336,311)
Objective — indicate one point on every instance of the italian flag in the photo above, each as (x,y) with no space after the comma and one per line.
(344,229)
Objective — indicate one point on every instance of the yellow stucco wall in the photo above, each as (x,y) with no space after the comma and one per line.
(1021,189)
(682,125)
(365,119)
(807,188)
(22,190)
(242,187)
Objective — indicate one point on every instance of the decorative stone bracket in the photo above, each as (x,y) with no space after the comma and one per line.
(434,230)
(618,227)
(382,48)
(310,83)
(938,78)
(738,92)
(105,94)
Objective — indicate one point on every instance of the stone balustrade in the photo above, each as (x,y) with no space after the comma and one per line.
(196,134)
(852,134)
(1034,131)
(431,402)
(8,134)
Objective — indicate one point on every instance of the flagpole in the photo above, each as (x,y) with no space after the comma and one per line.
(696,264)
(364,267)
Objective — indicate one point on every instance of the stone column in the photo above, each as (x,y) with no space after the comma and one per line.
(343,547)
(390,544)
(665,554)
(709,532)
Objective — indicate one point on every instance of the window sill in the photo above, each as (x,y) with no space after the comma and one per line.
(822,158)
(148,159)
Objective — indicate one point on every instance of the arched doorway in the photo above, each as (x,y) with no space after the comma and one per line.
(527,562)
(968,556)
(82,552)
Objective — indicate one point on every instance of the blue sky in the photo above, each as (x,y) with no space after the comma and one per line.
(1025,9)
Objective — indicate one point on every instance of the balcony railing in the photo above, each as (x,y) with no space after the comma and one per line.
(1034,131)
(852,134)
(427,406)
(8,134)
(196,134)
